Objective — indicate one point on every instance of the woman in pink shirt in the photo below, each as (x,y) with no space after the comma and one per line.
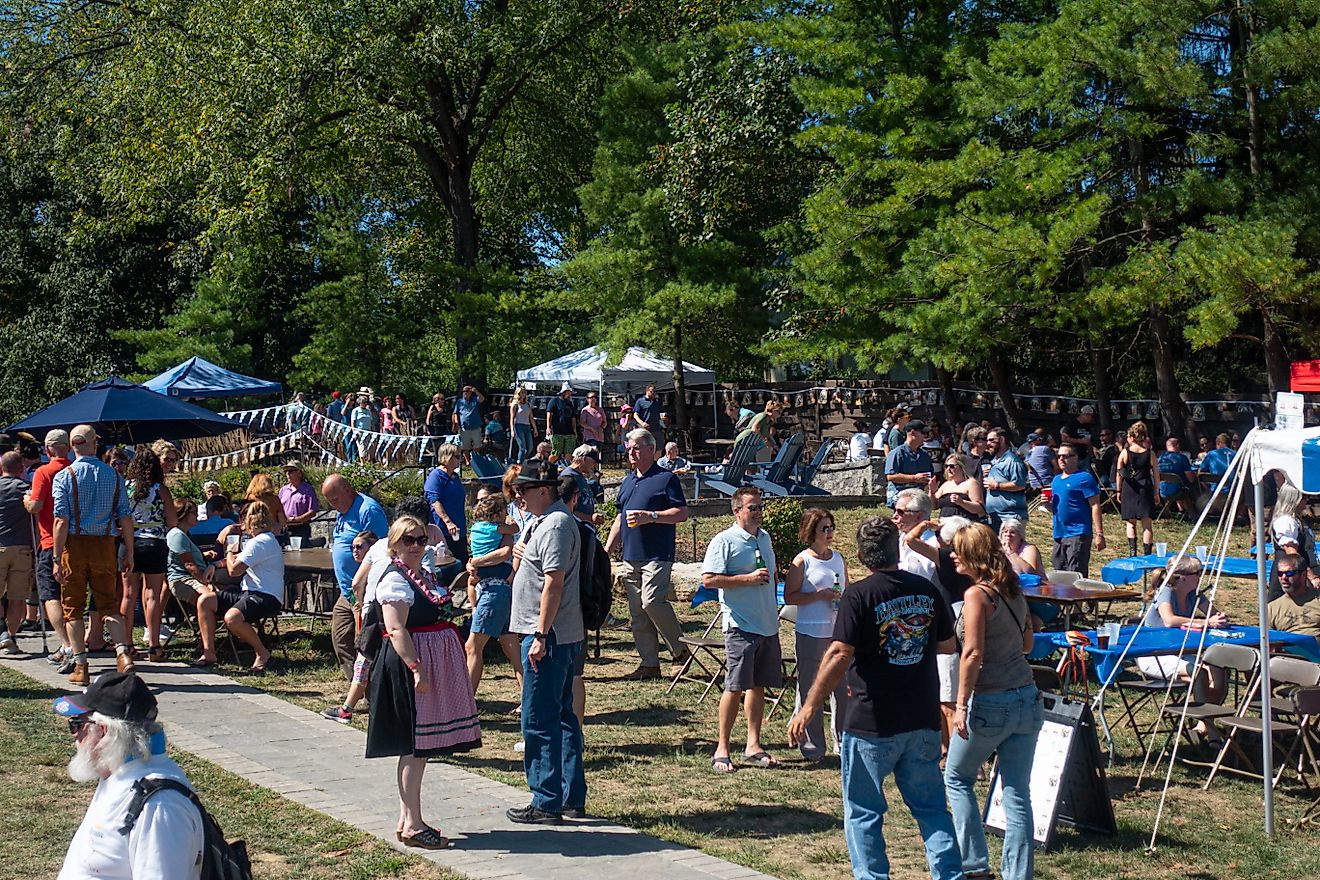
(592,420)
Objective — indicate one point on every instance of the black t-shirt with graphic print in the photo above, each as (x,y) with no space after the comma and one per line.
(893,620)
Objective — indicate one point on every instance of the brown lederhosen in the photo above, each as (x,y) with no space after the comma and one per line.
(90,562)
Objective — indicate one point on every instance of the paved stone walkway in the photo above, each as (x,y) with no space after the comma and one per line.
(320,764)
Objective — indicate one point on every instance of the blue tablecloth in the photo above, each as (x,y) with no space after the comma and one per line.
(1153,641)
(1131,568)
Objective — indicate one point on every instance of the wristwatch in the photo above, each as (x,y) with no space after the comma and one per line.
(539,635)
(654,516)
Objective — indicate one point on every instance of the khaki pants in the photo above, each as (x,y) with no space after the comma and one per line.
(90,565)
(652,615)
(343,635)
(16,573)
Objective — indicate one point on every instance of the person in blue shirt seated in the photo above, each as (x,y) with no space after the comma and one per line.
(496,437)
(219,515)
(1216,461)
(1174,461)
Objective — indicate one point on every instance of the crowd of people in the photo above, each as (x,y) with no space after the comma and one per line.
(922,659)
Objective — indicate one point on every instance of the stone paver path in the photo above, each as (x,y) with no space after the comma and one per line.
(320,764)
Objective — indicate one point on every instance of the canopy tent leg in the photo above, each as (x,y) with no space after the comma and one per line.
(1266,732)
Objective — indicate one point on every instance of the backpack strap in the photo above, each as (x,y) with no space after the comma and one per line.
(144,788)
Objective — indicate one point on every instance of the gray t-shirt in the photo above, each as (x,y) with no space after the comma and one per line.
(15,522)
(552,544)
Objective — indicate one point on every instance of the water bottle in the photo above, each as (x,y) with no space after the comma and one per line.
(838,591)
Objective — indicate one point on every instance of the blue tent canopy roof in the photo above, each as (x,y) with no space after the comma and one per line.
(198,377)
(127,413)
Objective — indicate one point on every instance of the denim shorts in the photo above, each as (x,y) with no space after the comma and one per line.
(494,604)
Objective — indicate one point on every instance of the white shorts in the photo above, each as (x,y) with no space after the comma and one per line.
(1164,666)
(947,664)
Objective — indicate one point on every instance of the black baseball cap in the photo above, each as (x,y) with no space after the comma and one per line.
(120,695)
(917,425)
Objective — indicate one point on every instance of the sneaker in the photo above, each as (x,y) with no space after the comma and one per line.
(166,632)
(58,656)
(520,746)
(66,665)
(79,675)
(612,622)
(8,645)
(575,813)
(530,815)
(338,713)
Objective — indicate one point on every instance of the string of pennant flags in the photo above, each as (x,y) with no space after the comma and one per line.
(238,458)
(367,443)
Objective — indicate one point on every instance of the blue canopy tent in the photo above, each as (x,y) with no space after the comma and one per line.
(123,412)
(198,377)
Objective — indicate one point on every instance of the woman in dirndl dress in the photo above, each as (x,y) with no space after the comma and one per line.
(421,698)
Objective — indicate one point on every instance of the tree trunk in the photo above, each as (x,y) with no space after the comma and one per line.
(1004,385)
(950,396)
(1276,358)
(1100,366)
(463,219)
(1172,409)
(678,423)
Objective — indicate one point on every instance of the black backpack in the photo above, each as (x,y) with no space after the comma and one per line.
(221,860)
(595,579)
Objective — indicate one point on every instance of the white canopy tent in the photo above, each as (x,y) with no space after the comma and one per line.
(586,370)
(1295,453)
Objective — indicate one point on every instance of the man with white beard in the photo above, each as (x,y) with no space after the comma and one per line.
(118,743)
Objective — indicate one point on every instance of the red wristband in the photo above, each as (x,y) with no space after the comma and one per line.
(412,667)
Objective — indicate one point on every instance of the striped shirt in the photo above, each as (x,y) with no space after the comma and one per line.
(97,482)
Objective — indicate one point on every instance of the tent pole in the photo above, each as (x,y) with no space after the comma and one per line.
(1266,736)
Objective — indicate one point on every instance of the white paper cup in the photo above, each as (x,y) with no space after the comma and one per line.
(1161,549)
(296,542)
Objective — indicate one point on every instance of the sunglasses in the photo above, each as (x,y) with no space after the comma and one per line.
(1066,457)
(77,723)
(827,529)
(172,459)
(1288,574)
(413,540)
(755,508)
(362,547)
(908,510)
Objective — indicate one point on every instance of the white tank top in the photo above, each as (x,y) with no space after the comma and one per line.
(816,619)
(522,414)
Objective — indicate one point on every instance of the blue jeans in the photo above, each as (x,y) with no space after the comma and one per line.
(1007,722)
(553,759)
(522,441)
(914,759)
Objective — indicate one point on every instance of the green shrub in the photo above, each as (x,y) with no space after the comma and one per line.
(782,518)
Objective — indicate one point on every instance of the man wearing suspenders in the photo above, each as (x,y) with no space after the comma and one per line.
(89,496)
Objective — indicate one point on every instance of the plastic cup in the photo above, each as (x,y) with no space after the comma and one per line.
(231,543)
(1161,548)
(1202,552)
(1102,639)
(296,542)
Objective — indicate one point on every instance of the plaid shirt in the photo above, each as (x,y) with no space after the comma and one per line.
(97,482)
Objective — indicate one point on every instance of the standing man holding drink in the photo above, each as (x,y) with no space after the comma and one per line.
(651,503)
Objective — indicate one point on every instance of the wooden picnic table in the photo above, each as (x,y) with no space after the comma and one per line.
(1070,597)
(314,560)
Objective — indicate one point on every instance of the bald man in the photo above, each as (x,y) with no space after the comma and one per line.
(357,513)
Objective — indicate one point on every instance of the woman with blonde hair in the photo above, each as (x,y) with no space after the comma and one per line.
(421,697)
(999,709)
(259,561)
(523,425)
(262,488)
(1138,474)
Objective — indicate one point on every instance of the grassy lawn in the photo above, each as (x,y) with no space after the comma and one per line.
(648,767)
(284,838)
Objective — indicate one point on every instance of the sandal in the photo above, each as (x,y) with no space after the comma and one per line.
(427,838)
(764,760)
(157,654)
(722,764)
(203,663)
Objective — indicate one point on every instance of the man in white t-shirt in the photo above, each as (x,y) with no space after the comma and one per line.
(118,743)
(859,445)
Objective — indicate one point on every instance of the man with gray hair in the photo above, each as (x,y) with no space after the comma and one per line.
(911,508)
(89,501)
(119,744)
(651,503)
(889,630)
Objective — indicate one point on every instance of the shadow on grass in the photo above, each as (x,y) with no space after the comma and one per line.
(647,716)
(540,839)
(747,822)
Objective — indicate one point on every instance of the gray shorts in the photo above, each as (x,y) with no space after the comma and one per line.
(754,661)
(187,590)
(469,439)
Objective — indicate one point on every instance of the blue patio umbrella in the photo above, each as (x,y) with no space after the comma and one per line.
(123,412)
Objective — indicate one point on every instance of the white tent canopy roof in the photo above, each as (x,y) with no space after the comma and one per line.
(1296,453)
(639,367)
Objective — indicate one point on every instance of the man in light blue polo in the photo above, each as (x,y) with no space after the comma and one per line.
(1006,483)
(740,563)
(357,513)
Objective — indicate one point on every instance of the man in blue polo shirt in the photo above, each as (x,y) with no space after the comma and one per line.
(1006,482)
(1075,501)
(646,414)
(357,513)
(651,503)
(908,466)
(467,420)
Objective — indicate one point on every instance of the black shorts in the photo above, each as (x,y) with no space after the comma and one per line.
(253,605)
(150,555)
(754,661)
(48,589)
